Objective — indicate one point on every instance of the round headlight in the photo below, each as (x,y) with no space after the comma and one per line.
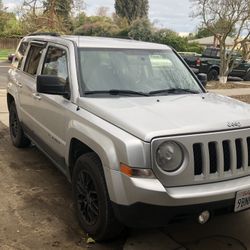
(169,156)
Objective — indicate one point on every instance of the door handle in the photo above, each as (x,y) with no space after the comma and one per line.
(18,84)
(36,96)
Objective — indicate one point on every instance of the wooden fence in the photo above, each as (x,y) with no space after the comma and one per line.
(9,43)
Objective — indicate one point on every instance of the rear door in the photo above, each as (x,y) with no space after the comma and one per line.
(27,84)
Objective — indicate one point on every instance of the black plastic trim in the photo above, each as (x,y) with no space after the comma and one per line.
(146,215)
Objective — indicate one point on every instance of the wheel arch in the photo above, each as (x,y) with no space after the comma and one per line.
(76,149)
(214,67)
(80,143)
(10,99)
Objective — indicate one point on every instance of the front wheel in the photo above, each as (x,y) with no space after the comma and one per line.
(93,207)
(17,135)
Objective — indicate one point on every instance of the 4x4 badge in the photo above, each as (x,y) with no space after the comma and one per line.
(234,124)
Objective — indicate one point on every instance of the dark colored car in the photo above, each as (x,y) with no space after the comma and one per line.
(209,63)
(10,57)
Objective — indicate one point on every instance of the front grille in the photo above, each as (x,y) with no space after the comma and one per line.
(225,157)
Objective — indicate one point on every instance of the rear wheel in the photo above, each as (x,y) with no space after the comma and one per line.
(247,77)
(212,75)
(93,207)
(17,135)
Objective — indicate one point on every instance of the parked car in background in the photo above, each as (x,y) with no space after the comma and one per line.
(209,63)
(10,57)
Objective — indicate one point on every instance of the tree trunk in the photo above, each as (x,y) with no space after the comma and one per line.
(224,67)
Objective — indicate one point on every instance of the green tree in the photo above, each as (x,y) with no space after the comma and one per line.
(203,32)
(79,20)
(3,17)
(219,26)
(141,29)
(59,11)
(12,26)
(131,9)
(97,26)
(171,38)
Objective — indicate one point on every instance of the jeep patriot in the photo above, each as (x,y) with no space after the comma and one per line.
(132,128)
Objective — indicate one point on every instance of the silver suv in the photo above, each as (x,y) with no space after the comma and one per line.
(132,128)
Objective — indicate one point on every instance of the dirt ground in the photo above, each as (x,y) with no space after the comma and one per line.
(33,212)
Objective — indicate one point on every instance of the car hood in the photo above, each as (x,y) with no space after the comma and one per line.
(150,117)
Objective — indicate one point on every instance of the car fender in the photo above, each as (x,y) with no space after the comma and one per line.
(216,67)
(92,138)
(12,90)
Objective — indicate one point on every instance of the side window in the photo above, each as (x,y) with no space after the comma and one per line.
(55,63)
(17,62)
(33,59)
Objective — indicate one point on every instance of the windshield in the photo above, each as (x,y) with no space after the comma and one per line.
(132,70)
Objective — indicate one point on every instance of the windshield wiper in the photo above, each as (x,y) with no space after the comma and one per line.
(173,91)
(115,92)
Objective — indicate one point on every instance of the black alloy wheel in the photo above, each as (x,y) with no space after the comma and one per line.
(87,200)
(91,198)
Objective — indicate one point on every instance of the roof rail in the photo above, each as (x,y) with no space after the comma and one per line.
(44,34)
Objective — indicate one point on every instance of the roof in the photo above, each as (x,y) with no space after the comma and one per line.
(210,41)
(104,42)
(98,42)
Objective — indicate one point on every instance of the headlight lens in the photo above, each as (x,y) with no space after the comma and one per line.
(169,156)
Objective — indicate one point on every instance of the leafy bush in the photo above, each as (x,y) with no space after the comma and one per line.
(97,26)
(141,29)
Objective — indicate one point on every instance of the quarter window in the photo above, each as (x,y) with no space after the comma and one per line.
(17,62)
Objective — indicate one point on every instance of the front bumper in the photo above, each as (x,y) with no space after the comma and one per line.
(146,202)
(124,190)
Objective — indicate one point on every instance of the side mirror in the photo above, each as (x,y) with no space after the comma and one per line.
(203,79)
(52,85)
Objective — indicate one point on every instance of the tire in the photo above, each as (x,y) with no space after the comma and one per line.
(247,77)
(212,75)
(92,203)
(17,135)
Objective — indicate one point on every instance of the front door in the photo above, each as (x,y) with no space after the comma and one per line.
(51,110)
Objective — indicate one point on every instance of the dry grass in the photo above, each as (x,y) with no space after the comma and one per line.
(243,98)
(229,85)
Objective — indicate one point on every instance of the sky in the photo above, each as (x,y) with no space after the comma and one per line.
(172,14)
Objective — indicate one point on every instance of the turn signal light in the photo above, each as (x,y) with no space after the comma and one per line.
(136,172)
